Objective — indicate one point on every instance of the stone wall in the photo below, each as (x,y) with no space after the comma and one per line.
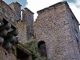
(11,19)
(16,7)
(54,28)
(74,26)
(4,55)
(27,17)
(8,12)
(22,31)
(8,17)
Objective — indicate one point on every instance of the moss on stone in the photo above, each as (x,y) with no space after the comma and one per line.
(22,47)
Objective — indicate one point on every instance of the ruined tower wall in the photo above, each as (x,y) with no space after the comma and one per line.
(7,14)
(6,10)
(54,28)
(74,26)
(27,17)
(22,31)
(16,7)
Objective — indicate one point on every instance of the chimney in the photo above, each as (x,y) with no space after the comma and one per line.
(27,16)
(16,7)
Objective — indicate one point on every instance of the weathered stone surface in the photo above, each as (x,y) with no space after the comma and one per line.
(4,55)
(27,17)
(16,7)
(55,26)
(22,32)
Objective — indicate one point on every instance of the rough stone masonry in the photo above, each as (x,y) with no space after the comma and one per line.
(57,26)
(56,31)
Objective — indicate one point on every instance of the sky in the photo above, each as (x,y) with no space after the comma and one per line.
(22,2)
(35,5)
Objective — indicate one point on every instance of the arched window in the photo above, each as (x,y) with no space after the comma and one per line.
(42,48)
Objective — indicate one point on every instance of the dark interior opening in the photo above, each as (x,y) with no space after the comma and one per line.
(42,48)
(21,55)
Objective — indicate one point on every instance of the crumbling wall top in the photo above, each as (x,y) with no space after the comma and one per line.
(7,13)
(54,6)
(16,3)
(58,5)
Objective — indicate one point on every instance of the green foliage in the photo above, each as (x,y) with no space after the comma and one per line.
(31,44)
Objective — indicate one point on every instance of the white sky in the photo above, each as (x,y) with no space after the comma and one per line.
(35,5)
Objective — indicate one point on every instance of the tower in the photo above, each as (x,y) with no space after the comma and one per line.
(56,29)
(27,17)
(16,7)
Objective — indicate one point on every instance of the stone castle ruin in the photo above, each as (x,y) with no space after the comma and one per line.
(53,36)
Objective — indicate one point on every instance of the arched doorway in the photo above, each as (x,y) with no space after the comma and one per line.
(42,48)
